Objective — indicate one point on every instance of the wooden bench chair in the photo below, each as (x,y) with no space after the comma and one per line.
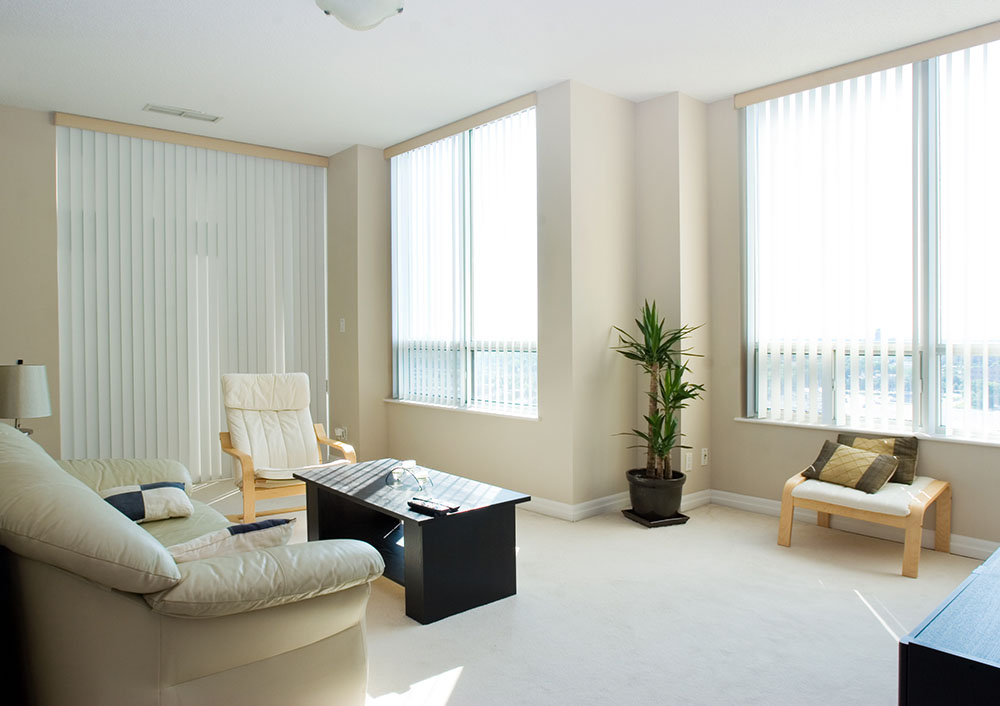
(895,505)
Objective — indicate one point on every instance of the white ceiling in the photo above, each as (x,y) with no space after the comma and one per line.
(281,73)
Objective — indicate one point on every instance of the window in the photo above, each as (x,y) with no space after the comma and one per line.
(871,232)
(464,269)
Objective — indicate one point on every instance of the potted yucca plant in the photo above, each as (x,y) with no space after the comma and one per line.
(655,491)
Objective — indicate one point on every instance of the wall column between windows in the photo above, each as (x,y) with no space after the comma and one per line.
(358,291)
(673,250)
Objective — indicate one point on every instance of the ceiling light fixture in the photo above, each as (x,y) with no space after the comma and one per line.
(361,14)
(182,113)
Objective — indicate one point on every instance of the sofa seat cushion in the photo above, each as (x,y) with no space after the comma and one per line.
(203,520)
(264,578)
(892,499)
(50,516)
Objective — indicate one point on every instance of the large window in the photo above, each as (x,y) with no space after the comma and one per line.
(464,269)
(873,225)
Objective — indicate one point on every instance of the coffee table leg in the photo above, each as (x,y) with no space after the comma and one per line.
(458,562)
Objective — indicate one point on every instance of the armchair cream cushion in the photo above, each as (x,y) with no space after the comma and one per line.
(269,419)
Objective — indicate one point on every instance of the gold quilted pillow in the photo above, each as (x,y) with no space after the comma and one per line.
(855,468)
(903,448)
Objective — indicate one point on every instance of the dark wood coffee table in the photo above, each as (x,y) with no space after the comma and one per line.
(447,564)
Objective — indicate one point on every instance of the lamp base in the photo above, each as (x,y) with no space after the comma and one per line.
(25,430)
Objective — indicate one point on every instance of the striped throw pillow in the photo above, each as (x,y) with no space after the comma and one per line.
(851,467)
(150,501)
(902,447)
(234,539)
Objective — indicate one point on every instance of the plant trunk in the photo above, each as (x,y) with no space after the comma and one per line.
(667,471)
(654,379)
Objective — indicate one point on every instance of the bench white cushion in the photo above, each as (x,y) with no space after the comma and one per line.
(892,499)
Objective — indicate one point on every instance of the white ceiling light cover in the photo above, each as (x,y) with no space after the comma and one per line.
(361,14)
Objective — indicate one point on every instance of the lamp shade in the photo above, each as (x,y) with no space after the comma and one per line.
(361,14)
(24,392)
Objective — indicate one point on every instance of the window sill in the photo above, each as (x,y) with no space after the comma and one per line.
(463,410)
(868,432)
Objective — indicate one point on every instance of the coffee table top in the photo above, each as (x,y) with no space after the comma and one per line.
(365,483)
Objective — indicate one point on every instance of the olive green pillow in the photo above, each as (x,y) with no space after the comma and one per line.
(854,468)
(902,447)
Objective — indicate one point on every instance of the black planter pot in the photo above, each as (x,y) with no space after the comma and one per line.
(655,498)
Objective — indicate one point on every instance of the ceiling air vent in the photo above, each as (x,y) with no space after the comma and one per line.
(182,113)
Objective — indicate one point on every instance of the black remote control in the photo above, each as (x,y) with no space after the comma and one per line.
(431,506)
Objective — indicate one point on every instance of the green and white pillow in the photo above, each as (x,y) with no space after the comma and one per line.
(150,501)
(852,467)
(234,539)
(902,447)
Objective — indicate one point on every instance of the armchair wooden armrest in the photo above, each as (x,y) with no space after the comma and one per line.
(346,450)
(246,463)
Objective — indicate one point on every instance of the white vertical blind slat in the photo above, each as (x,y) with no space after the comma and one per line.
(173,268)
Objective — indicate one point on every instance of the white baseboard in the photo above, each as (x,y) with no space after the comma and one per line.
(609,503)
(696,499)
(579,511)
(961,545)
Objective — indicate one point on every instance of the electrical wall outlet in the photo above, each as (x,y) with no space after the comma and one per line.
(343,325)
(688,460)
(704,457)
(340,434)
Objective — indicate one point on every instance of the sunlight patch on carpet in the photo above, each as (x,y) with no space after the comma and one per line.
(877,616)
(434,691)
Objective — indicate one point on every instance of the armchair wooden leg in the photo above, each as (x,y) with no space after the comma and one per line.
(785,522)
(911,546)
(942,524)
(823,519)
(249,504)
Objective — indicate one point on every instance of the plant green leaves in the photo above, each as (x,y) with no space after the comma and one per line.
(659,352)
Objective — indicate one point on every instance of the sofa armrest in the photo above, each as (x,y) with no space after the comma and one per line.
(102,473)
(239,583)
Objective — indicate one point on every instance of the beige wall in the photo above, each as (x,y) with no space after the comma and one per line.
(29,318)
(359,293)
(602,181)
(756,458)
(672,267)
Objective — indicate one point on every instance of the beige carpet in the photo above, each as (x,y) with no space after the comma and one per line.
(711,612)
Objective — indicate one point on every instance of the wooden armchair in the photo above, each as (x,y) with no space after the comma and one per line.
(272,435)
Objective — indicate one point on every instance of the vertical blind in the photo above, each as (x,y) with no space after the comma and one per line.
(968,340)
(464,267)
(831,229)
(178,264)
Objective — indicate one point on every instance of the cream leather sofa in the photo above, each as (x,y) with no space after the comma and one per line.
(107,617)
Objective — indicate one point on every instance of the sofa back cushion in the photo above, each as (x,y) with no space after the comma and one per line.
(50,516)
(268,417)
